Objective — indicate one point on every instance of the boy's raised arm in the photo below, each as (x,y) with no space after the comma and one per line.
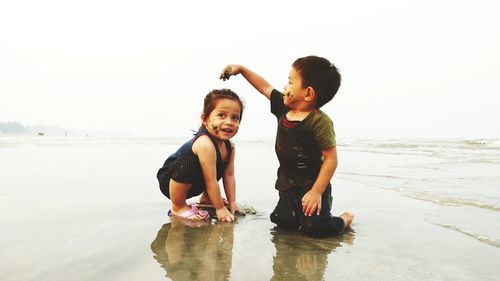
(259,83)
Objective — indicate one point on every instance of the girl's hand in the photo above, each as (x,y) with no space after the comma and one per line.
(228,71)
(234,207)
(223,214)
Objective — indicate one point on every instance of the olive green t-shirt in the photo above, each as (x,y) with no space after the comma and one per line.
(299,148)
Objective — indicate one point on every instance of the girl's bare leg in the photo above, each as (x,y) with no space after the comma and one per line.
(204,199)
(178,194)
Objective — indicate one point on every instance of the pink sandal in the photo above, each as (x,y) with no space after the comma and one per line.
(192,214)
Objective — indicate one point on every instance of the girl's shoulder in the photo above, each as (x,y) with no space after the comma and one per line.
(203,143)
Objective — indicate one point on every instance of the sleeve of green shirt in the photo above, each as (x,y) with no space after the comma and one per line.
(323,131)
(277,105)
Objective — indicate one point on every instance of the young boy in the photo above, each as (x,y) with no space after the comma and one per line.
(305,145)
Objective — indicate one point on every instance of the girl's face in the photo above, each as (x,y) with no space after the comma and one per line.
(223,122)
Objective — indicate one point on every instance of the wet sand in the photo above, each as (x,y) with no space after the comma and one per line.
(92,211)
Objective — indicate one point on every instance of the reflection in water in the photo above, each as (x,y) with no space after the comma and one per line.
(299,257)
(194,250)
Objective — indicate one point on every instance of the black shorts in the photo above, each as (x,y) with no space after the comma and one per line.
(185,169)
(288,213)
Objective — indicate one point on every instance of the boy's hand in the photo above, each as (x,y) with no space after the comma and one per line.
(311,202)
(230,69)
(223,214)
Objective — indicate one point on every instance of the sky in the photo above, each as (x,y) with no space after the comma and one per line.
(142,68)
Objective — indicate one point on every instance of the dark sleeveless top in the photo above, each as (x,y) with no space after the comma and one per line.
(186,151)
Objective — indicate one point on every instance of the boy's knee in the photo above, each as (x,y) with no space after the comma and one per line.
(284,218)
(286,223)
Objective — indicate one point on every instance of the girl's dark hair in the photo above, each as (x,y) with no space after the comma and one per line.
(214,95)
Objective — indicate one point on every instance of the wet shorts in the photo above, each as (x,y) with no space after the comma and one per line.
(185,169)
(288,213)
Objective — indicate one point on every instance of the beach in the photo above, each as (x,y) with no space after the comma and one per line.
(90,209)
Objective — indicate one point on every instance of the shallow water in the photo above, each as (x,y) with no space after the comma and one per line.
(460,176)
(90,209)
(204,251)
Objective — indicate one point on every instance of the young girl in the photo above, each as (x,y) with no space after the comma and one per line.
(201,162)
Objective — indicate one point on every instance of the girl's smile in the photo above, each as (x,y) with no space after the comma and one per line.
(224,120)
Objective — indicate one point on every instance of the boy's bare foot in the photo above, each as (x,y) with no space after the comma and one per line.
(347,217)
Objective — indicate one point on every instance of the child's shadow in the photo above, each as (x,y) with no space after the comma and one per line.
(194,250)
(299,257)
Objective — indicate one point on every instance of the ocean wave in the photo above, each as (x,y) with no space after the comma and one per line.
(446,201)
(370,175)
(482,142)
(470,234)
(475,142)
(397,145)
(390,152)
(401,186)
(408,144)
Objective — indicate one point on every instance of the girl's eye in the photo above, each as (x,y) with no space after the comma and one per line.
(236,118)
(222,115)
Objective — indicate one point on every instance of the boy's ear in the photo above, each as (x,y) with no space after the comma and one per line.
(310,94)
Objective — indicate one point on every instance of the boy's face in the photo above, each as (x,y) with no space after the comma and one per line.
(294,93)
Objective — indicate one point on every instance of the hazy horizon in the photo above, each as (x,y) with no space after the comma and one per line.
(420,69)
(55,133)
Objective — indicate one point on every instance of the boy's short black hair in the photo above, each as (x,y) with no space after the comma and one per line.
(321,75)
